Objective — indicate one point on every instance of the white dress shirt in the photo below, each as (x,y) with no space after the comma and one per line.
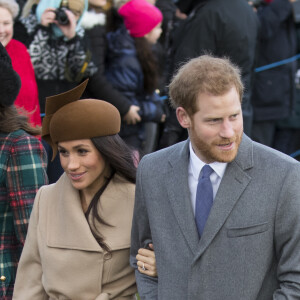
(195,166)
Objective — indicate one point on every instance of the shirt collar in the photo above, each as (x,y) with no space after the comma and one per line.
(197,164)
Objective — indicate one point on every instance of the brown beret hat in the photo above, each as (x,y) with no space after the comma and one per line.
(68,118)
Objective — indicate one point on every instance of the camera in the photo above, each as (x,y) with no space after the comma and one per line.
(61,16)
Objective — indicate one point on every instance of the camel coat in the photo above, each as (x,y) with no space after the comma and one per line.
(62,260)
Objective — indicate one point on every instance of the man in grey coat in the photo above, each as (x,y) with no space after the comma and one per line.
(250,246)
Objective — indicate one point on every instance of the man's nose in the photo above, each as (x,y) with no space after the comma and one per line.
(227,129)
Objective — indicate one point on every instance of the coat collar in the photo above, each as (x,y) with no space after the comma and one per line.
(232,186)
(67,225)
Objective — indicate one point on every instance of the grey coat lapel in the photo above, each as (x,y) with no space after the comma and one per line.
(233,184)
(179,194)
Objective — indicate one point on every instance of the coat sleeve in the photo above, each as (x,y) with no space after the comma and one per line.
(107,92)
(28,285)
(287,237)
(152,108)
(26,173)
(141,233)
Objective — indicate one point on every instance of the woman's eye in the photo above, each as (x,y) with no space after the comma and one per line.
(62,152)
(82,151)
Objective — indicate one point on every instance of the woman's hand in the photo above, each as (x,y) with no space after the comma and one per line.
(69,30)
(146,261)
(48,16)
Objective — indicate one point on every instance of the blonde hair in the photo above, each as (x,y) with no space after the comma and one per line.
(204,74)
(76,5)
(27,7)
(11,5)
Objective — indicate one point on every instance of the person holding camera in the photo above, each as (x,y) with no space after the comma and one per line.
(55,40)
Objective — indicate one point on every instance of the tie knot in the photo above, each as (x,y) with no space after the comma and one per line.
(206,171)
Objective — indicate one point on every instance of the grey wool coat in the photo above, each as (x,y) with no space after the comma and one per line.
(250,247)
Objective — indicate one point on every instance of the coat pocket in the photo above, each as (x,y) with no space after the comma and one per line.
(249,230)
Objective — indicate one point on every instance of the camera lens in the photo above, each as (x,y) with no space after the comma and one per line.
(61,16)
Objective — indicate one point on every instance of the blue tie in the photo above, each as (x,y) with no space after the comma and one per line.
(204,198)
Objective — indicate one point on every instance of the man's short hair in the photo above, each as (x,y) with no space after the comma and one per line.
(204,74)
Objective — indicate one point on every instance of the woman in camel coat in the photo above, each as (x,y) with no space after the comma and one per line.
(78,240)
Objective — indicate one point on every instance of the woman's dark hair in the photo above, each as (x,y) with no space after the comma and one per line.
(149,64)
(122,161)
(12,119)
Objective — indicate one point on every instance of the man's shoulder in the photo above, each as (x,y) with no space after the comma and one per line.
(162,156)
(273,163)
(263,152)
(258,156)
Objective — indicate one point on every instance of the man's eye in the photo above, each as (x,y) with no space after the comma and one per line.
(214,120)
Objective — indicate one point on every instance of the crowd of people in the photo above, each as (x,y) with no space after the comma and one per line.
(89,88)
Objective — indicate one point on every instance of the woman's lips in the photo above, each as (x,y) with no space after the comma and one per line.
(76,176)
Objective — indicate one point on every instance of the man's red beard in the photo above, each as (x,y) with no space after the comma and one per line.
(212,153)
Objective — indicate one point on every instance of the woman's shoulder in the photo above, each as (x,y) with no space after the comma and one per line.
(51,192)
(121,180)
(122,185)
(19,136)
(16,45)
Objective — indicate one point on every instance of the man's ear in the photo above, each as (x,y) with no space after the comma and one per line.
(183,117)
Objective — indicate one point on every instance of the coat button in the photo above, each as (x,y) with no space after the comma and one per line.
(107,256)
(2,278)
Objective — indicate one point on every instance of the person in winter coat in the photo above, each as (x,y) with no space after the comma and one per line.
(59,54)
(132,68)
(223,28)
(27,98)
(273,95)
(79,232)
(94,22)
(23,164)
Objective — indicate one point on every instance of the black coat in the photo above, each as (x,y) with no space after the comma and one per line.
(222,28)
(273,93)
(99,87)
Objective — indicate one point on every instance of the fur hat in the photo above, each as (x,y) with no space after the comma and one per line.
(10,82)
(140,17)
(67,118)
(12,6)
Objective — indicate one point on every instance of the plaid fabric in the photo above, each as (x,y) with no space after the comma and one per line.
(22,172)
